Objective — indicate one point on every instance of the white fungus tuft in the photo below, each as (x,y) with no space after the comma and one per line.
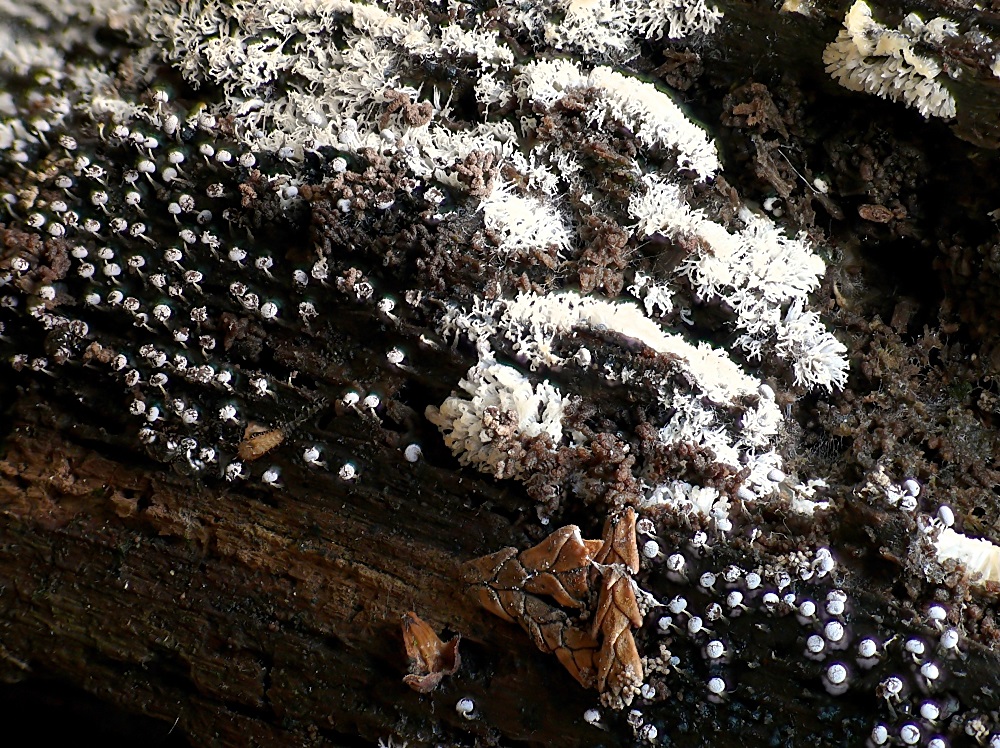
(502,404)
(867,56)
(979,556)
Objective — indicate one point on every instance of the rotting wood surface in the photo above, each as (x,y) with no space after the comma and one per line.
(273,619)
(231,613)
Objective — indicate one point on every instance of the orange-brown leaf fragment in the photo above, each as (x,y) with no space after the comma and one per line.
(559,566)
(617,608)
(258,441)
(562,568)
(619,545)
(430,658)
(618,665)
(569,589)
(484,569)
(561,551)
(577,655)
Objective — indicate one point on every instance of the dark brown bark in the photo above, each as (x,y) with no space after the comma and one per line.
(241,617)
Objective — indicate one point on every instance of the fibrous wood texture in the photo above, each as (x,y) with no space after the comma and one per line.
(271,618)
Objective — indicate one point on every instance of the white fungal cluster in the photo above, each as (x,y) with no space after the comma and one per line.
(980,557)
(532,322)
(609,28)
(521,223)
(648,111)
(725,410)
(761,274)
(328,93)
(502,406)
(868,56)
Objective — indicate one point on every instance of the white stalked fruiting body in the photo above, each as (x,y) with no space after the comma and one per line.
(465,708)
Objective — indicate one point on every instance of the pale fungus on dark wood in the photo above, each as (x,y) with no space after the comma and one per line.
(315,315)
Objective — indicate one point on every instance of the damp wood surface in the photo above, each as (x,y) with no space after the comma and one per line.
(269,618)
(234,614)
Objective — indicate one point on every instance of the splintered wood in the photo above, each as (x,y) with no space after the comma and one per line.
(568,570)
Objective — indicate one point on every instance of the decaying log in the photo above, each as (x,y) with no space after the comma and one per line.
(269,614)
(235,616)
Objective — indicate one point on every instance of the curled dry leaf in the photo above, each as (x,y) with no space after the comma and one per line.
(510,585)
(618,544)
(619,667)
(258,441)
(430,658)
(559,565)
(494,580)
(564,568)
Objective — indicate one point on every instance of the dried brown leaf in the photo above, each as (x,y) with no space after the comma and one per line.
(577,654)
(561,551)
(430,658)
(485,568)
(569,589)
(618,542)
(562,567)
(617,607)
(618,665)
(488,598)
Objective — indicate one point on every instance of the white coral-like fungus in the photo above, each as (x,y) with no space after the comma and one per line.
(724,411)
(531,323)
(758,272)
(979,556)
(649,112)
(685,498)
(609,28)
(522,223)
(867,56)
(496,392)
